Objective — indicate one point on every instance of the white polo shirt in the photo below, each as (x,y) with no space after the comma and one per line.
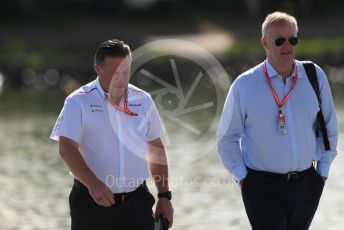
(113,144)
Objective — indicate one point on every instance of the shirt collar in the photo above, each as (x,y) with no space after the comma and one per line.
(299,74)
(100,89)
(273,73)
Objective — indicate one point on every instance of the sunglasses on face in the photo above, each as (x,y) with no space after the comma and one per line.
(281,40)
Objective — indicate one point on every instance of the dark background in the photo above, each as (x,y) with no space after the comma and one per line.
(63,34)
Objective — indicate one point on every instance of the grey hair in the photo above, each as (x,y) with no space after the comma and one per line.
(277,17)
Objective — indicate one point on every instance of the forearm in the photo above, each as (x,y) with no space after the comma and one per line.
(160,175)
(76,163)
(231,157)
(229,132)
(329,113)
(158,165)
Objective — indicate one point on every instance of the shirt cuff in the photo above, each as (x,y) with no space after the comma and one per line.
(323,169)
(239,173)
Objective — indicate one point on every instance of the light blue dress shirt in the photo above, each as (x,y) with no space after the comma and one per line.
(248,132)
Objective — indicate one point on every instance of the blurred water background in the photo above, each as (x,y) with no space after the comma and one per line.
(46,51)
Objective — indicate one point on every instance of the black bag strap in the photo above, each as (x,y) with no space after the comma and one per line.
(313,79)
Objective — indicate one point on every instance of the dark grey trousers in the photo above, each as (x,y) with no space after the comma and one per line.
(134,213)
(273,203)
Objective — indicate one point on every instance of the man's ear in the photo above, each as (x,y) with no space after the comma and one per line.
(264,42)
(96,68)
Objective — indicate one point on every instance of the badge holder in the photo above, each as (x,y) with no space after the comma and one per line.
(281,123)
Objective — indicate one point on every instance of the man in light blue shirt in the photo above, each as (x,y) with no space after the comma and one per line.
(267,133)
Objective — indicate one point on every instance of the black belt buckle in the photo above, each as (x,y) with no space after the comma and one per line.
(292,176)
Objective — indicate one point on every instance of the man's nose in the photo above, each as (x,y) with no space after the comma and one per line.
(118,77)
(287,43)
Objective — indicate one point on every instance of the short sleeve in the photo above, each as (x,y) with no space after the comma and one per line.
(68,123)
(155,126)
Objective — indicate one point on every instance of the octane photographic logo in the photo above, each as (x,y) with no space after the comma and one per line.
(189,87)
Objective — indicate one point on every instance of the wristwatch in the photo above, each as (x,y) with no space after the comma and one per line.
(167,195)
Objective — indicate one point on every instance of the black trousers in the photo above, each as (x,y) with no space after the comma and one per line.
(273,203)
(134,213)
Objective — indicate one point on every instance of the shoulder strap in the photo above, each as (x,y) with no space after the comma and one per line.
(313,79)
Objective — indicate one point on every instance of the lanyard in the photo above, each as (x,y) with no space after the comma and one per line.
(125,108)
(278,102)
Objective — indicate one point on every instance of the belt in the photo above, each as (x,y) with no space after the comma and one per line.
(290,176)
(118,197)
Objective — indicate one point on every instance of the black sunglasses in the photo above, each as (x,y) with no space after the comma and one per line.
(281,40)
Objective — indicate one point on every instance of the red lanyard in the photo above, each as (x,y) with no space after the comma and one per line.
(125,108)
(278,102)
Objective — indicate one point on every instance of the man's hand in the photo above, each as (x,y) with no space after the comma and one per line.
(100,193)
(164,208)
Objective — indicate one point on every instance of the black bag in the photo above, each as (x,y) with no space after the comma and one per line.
(313,79)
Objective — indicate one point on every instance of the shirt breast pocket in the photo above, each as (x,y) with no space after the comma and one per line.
(138,125)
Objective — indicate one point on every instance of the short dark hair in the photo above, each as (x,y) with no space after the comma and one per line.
(111,48)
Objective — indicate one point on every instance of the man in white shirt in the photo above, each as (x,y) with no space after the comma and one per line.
(109,134)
